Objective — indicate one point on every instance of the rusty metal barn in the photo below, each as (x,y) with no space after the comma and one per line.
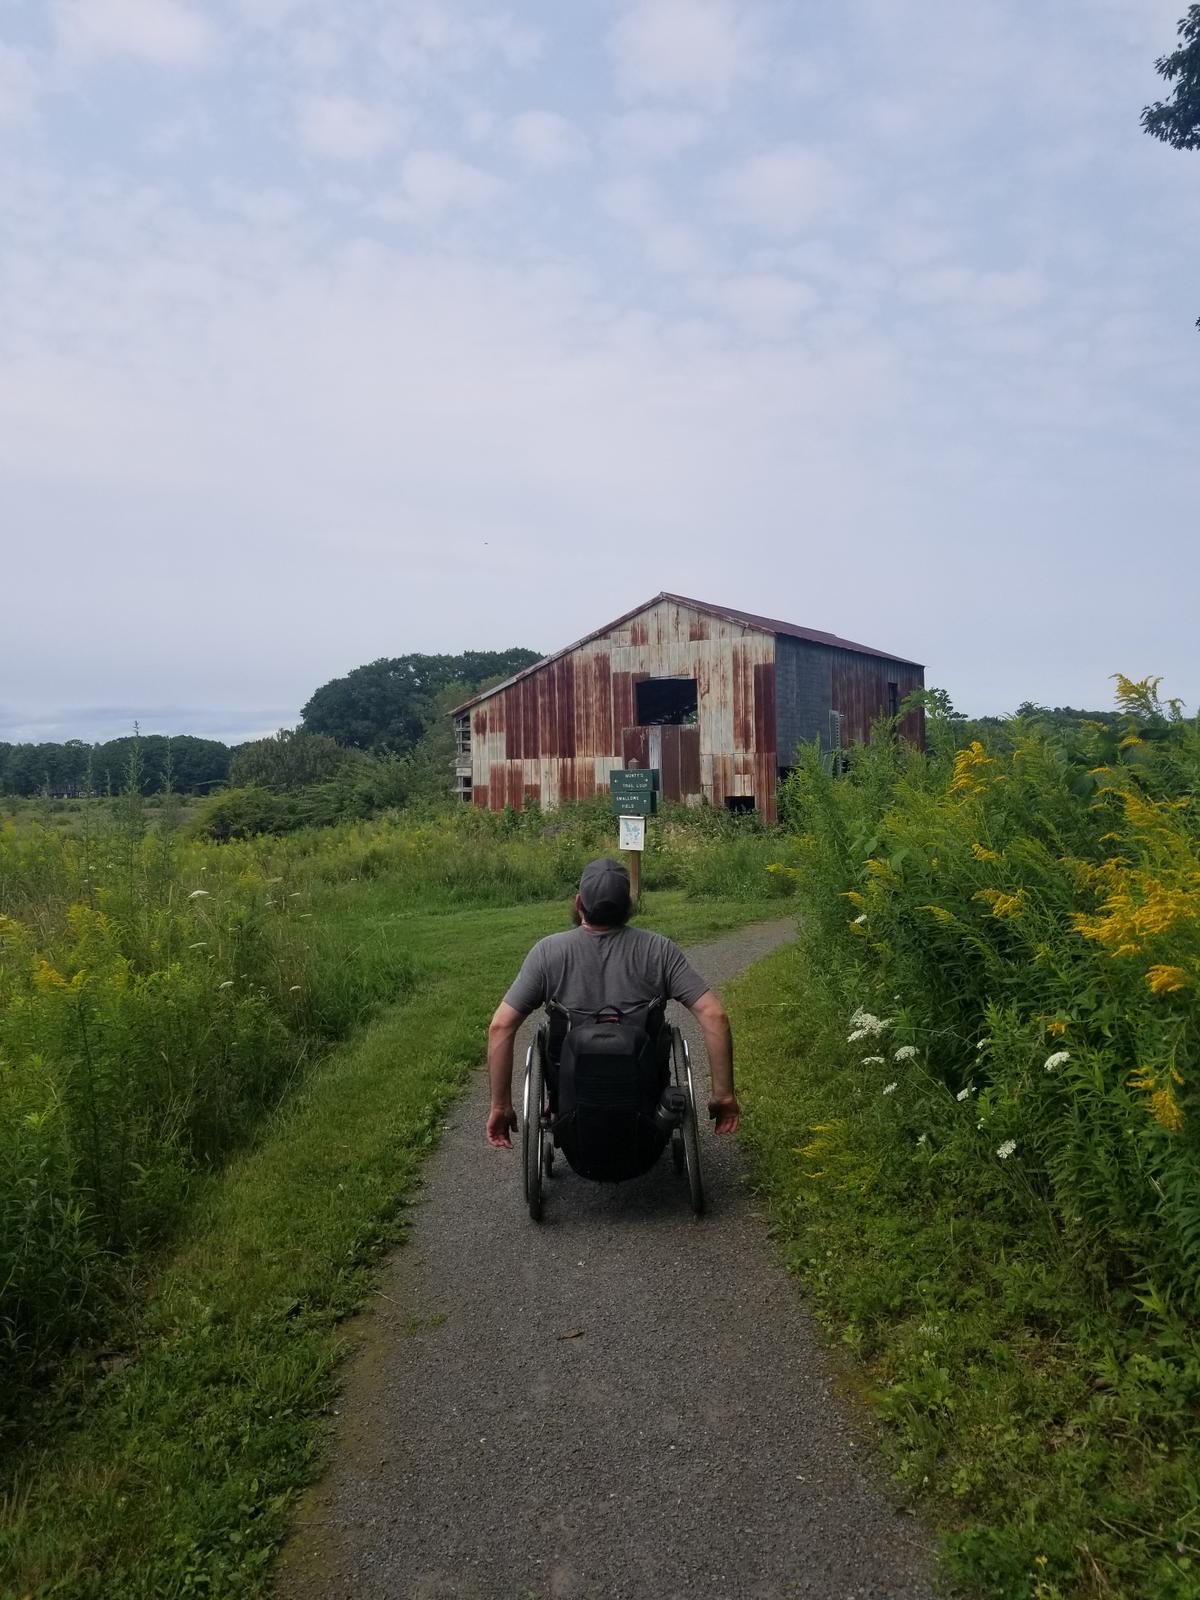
(716,698)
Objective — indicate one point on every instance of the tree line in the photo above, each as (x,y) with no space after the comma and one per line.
(74,768)
(390,709)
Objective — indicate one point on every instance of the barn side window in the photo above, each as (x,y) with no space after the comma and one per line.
(893,699)
(667,700)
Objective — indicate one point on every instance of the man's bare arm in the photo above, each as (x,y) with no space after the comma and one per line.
(718,1040)
(502,1034)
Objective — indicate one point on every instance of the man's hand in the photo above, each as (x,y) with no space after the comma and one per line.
(502,1034)
(725,1111)
(502,1121)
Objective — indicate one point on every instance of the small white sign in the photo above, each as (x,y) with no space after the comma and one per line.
(633,833)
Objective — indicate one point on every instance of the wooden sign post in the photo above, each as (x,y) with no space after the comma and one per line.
(634,798)
(633,842)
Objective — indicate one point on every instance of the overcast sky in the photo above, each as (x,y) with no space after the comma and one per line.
(333,329)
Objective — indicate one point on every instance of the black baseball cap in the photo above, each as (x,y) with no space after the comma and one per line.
(604,890)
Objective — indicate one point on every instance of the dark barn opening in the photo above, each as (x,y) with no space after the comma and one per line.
(672,701)
(739,802)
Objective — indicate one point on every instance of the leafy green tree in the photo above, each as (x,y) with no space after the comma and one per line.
(291,759)
(1176,121)
(388,704)
(196,764)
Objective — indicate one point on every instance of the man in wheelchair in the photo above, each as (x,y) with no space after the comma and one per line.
(604,968)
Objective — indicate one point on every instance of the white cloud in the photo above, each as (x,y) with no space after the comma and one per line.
(766,304)
(18,87)
(344,128)
(435,181)
(1018,290)
(166,33)
(271,13)
(189,129)
(669,246)
(782,190)
(656,135)
(686,48)
(431,38)
(545,141)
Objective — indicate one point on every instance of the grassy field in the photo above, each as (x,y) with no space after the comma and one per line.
(971,1092)
(158,1453)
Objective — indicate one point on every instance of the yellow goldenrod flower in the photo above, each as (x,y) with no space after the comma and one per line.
(969,770)
(1056,1028)
(1003,905)
(1167,980)
(1164,1107)
(940,913)
(1137,695)
(1166,1110)
(981,853)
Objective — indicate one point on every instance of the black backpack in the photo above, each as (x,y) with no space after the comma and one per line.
(609,1077)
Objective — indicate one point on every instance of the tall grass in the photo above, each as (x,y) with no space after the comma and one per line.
(992,1156)
(1031,919)
(159,993)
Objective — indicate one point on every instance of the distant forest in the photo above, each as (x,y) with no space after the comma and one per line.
(393,707)
(385,708)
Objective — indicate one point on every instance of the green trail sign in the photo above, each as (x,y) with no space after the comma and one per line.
(635,792)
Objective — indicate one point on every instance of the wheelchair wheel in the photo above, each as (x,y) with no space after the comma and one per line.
(533,1143)
(690,1132)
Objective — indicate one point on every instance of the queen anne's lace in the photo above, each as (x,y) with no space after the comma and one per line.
(865,1025)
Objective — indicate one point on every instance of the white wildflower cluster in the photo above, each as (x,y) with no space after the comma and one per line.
(890,1088)
(872,1061)
(964,1094)
(905,1053)
(983,1044)
(1056,1060)
(924,1139)
(199,894)
(860,919)
(1006,1149)
(865,1025)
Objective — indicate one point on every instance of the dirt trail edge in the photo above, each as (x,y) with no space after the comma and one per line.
(620,1403)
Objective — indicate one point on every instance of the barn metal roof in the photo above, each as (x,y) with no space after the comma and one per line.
(748,619)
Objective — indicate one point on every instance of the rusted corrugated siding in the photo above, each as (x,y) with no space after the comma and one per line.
(560,728)
(860,693)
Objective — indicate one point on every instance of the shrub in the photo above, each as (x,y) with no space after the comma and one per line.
(1036,909)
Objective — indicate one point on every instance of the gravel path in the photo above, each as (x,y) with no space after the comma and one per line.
(620,1403)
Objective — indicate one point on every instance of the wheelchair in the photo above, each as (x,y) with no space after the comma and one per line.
(610,1111)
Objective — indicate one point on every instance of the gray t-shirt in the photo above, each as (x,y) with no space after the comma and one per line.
(585,969)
